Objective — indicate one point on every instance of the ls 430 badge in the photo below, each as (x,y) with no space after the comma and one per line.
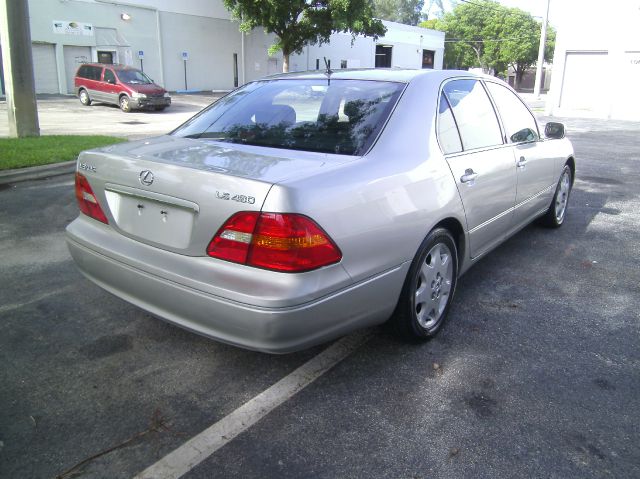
(222,195)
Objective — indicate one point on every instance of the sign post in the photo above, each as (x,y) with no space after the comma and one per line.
(141,57)
(185,57)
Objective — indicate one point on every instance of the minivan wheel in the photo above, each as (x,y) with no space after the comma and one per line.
(84,98)
(125,106)
(555,215)
(429,287)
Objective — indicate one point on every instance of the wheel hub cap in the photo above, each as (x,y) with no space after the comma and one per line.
(433,285)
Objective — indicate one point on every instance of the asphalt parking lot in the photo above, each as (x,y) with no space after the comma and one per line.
(65,115)
(536,374)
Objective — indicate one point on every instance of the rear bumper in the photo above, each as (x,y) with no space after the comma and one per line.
(251,326)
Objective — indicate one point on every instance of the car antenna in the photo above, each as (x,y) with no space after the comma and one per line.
(328,71)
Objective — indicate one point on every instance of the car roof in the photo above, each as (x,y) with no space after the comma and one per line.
(404,75)
(114,66)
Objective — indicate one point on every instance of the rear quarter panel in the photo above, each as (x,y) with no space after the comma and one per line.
(380,208)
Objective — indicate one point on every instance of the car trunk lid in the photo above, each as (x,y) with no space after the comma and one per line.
(175,193)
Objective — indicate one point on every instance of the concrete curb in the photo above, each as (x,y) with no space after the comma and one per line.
(36,172)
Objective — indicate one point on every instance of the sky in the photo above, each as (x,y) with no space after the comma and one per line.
(559,10)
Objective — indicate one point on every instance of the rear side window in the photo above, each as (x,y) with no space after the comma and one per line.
(516,118)
(447,129)
(89,72)
(474,114)
(337,116)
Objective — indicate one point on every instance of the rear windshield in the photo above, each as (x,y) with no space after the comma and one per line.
(337,116)
(133,77)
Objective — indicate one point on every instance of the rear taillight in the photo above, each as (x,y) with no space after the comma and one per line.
(285,242)
(87,201)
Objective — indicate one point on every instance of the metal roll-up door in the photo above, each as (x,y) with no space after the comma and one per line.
(73,58)
(45,69)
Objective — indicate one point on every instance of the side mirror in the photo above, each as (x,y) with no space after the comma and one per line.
(554,130)
(113,82)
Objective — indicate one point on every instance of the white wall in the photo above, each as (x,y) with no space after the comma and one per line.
(202,8)
(140,32)
(210,44)
(407,41)
(256,62)
(596,64)
(163,29)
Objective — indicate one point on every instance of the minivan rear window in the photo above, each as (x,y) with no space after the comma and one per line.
(336,116)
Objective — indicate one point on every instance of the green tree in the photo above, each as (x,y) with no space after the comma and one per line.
(488,35)
(520,49)
(408,12)
(298,23)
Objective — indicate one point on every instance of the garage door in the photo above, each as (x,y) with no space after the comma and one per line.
(584,84)
(73,57)
(44,68)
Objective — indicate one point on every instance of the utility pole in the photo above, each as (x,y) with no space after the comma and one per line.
(17,61)
(543,41)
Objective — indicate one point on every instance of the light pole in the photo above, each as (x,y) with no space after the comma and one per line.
(18,68)
(543,41)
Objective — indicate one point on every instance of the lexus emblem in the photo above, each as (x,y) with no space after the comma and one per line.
(146,177)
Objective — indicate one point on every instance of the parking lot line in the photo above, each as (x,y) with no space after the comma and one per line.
(203,445)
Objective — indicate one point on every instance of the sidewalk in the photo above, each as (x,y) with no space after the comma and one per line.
(536,103)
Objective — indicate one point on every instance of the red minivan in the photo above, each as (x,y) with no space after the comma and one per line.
(127,87)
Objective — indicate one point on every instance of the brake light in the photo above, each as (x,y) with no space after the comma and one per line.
(284,242)
(87,201)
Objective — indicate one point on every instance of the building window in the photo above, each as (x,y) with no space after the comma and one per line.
(105,57)
(427,58)
(383,56)
(343,63)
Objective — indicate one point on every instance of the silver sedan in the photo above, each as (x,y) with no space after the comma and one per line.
(303,206)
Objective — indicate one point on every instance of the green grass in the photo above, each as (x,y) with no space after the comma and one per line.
(43,150)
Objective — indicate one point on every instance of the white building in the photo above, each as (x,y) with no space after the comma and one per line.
(402,46)
(596,65)
(192,44)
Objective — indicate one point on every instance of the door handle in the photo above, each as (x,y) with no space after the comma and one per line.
(521,162)
(469,176)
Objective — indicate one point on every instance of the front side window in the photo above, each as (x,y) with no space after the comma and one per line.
(109,77)
(474,114)
(516,118)
(337,116)
(133,77)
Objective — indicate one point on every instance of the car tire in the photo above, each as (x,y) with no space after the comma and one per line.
(557,212)
(85,99)
(429,287)
(125,104)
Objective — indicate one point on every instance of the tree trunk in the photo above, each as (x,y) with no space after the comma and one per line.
(519,75)
(285,62)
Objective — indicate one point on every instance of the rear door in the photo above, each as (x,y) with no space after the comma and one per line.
(534,165)
(95,84)
(482,165)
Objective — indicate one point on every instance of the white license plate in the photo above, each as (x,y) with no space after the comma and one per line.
(151,220)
